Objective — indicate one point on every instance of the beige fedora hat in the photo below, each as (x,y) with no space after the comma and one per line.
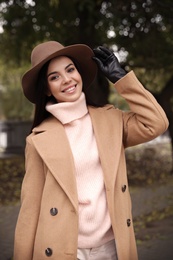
(51,49)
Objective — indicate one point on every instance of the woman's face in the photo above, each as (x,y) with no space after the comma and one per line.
(64,80)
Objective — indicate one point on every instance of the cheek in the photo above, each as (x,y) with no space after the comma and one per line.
(80,78)
(53,87)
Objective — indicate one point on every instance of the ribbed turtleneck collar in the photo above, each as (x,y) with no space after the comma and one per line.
(67,112)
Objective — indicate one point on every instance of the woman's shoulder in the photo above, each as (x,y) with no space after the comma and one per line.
(108,111)
(46,124)
(105,108)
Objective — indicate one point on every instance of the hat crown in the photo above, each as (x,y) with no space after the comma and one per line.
(44,50)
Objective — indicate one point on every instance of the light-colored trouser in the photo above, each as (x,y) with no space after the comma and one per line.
(104,252)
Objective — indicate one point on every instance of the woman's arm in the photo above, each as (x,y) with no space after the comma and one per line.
(146,119)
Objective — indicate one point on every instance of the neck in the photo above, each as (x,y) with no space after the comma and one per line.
(67,112)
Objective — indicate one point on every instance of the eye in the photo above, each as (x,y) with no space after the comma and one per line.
(71,69)
(54,77)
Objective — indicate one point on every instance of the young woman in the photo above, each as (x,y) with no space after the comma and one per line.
(75,202)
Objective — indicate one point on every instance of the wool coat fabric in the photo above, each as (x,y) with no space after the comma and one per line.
(47,226)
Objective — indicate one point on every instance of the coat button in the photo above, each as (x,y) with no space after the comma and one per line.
(48,251)
(128,222)
(124,188)
(53,211)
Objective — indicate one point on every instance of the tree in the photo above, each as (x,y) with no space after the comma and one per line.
(142,28)
(13,104)
(145,31)
(69,22)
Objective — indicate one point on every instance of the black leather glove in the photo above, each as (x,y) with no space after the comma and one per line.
(108,64)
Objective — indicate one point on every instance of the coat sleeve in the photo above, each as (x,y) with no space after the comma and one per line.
(31,193)
(146,119)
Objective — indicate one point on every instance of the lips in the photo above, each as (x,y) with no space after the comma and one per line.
(69,89)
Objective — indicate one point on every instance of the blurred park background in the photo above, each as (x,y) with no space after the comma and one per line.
(140,32)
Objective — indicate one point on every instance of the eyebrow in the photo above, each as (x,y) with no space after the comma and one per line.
(54,72)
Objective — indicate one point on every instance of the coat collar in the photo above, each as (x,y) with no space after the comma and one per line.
(53,146)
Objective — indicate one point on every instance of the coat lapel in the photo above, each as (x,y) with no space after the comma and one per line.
(53,146)
(108,133)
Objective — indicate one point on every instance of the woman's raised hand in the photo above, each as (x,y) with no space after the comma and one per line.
(108,64)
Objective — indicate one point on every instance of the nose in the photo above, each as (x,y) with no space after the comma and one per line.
(66,78)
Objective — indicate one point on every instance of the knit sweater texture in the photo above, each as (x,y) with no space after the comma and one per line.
(94,219)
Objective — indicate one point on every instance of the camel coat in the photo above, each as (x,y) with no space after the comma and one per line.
(47,225)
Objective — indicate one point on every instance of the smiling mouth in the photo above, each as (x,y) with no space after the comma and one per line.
(69,89)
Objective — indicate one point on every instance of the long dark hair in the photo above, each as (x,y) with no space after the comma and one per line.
(41,98)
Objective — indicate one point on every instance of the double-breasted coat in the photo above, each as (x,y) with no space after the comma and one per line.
(47,225)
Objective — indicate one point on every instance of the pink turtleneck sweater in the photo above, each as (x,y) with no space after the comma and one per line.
(94,220)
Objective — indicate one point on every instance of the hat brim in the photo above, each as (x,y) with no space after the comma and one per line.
(79,52)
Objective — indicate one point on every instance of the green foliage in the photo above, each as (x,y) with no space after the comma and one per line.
(65,21)
(142,28)
(13,103)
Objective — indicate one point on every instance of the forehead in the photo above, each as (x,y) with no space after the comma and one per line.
(59,62)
